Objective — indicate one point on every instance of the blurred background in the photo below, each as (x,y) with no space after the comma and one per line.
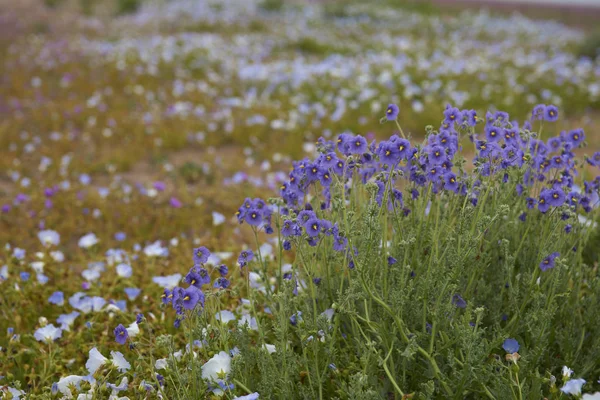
(212,97)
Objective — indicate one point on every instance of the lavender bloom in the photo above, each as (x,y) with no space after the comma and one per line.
(392,112)
(201,255)
(245,257)
(121,334)
(357,145)
(191,297)
(548,262)
(458,301)
(551,113)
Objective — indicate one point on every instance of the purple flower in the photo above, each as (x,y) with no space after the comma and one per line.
(313,227)
(450,182)
(223,270)
(175,203)
(160,186)
(458,301)
(253,217)
(548,262)
(551,113)
(451,115)
(244,257)
(221,283)
(538,111)
(510,346)
(595,159)
(340,243)
(121,334)
(201,255)
(192,296)
(392,112)
(357,145)
(167,296)
(492,133)
(576,137)
(197,279)
(436,154)
(555,197)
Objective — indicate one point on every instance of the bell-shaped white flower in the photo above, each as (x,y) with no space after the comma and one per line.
(119,361)
(48,333)
(95,361)
(573,387)
(217,367)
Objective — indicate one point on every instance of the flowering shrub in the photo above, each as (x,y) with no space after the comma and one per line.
(400,271)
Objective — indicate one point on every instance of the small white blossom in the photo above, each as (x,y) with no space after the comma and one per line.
(87,241)
(49,237)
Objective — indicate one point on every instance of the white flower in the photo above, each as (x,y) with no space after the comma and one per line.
(65,383)
(573,386)
(160,363)
(85,396)
(251,396)
(57,256)
(218,218)
(118,388)
(49,237)
(90,275)
(167,282)
(567,372)
(133,329)
(156,250)
(38,266)
(216,367)
(588,396)
(247,319)
(16,393)
(66,320)
(124,270)
(87,241)
(95,361)
(269,347)
(49,333)
(119,361)
(225,316)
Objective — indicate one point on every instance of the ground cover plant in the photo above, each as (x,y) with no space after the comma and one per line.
(156,245)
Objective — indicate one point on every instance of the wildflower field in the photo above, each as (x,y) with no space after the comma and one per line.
(243,199)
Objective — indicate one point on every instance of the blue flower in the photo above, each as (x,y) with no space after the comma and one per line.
(57,298)
(357,145)
(121,334)
(201,255)
(192,296)
(392,112)
(458,301)
(510,346)
(245,257)
(551,113)
(313,227)
(132,292)
(548,262)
